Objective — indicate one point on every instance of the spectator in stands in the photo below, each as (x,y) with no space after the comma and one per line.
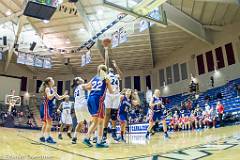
(220,111)
(148,95)
(212,81)
(189,104)
(219,95)
(198,117)
(238,90)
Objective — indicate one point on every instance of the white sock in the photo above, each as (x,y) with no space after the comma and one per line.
(95,134)
(75,134)
(99,139)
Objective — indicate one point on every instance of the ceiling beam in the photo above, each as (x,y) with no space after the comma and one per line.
(69,67)
(88,25)
(11,17)
(20,24)
(146,6)
(151,49)
(187,23)
(221,1)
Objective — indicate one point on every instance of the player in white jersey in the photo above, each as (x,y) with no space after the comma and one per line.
(80,106)
(66,118)
(112,102)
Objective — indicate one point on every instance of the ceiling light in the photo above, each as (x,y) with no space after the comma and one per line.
(60,1)
(99,12)
(67,41)
(45,21)
(8,13)
(82,30)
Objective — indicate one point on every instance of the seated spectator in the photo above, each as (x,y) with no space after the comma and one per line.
(189,104)
(238,89)
(193,87)
(198,118)
(220,111)
(219,95)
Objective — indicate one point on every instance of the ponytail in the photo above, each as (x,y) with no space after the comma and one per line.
(75,82)
(42,88)
(73,86)
(44,85)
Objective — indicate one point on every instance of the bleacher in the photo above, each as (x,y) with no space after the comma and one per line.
(228,92)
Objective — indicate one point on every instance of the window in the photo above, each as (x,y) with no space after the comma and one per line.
(176,73)
(120,85)
(148,81)
(200,63)
(169,75)
(128,82)
(137,83)
(161,77)
(38,84)
(24,84)
(219,58)
(230,54)
(60,87)
(184,71)
(210,62)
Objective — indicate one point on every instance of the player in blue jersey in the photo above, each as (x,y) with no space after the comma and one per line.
(128,99)
(98,87)
(156,113)
(46,108)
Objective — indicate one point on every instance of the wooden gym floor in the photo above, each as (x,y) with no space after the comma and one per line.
(220,144)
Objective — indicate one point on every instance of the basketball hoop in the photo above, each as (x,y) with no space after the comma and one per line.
(106,42)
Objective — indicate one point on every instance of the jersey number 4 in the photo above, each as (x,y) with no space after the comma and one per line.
(114,82)
(76,93)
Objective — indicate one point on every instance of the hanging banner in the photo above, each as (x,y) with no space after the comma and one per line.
(38,61)
(122,35)
(88,57)
(29,59)
(83,60)
(47,63)
(115,39)
(1,56)
(143,25)
(155,14)
(21,59)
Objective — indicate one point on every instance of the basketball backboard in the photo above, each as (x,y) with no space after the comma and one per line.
(150,10)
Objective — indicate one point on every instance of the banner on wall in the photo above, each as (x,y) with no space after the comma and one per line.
(88,57)
(29,59)
(143,25)
(47,63)
(115,39)
(21,59)
(122,35)
(136,128)
(38,61)
(155,14)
